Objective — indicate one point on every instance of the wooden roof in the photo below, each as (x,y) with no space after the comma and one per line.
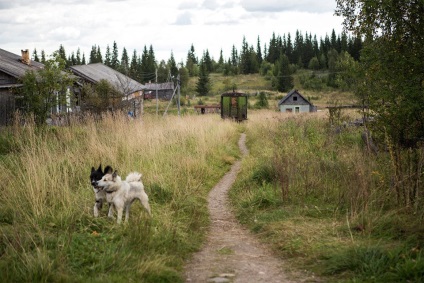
(96,72)
(12,64)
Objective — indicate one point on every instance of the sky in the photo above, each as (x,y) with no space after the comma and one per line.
(170,26)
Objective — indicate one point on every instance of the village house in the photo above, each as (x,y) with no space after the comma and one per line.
(296,103)
(131,91)
(12,68)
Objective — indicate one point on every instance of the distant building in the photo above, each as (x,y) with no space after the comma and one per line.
(131,90)
(165,90)
(294,102)
(94,73)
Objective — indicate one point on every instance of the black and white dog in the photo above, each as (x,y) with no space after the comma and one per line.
(100,194)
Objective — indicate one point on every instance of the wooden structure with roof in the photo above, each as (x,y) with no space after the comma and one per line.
(164,90)
(234,106)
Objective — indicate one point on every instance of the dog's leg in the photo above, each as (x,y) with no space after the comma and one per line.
(110,213)
(96,210)
(97,207)
(120,210)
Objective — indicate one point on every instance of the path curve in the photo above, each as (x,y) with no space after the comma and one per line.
(231,253)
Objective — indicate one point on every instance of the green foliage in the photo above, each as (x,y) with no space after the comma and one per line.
(203,84)
(262,101)
(100,97)
(314,64)
(392,62)
(313,81)
(46,89)
(346,68)
(283,74)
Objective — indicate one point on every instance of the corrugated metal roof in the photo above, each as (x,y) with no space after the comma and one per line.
(96,72)
(12,65)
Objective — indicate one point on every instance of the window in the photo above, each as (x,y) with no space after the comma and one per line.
(294,98)
(297,109)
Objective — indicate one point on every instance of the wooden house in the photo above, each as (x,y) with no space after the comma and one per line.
(164,90)
(12,68)
(294,102)
(131,91)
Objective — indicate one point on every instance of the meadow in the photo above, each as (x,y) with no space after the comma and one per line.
(322,201)
(48,232)
(309,189)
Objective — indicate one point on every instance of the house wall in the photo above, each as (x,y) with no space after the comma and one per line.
(5,79)
(7,100)
(7,107)
(287,107)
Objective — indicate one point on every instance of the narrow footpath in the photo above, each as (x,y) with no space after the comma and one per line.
(231,252)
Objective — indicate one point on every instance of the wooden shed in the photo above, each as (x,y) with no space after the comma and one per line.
(234,106)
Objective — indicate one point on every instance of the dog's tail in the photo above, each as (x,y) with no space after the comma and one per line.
(133,177)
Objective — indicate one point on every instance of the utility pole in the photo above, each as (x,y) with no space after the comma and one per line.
(157,99)
(178,86)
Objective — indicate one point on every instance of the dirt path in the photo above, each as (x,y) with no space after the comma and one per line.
(231,253)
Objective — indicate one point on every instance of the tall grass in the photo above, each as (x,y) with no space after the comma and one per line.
(318,196)
(48,232)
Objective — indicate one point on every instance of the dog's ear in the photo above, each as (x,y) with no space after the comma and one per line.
(92,169)
(108,170)
(100,168)
(114,174)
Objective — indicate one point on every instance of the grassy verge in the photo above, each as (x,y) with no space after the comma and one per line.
(48,232)
(324,203)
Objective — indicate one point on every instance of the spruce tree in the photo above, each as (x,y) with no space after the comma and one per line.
(108,57)
(35,56)
(99,57)
(114,63)
(124,66)
(172,66)
(259,52)
(203,83)
(284,80)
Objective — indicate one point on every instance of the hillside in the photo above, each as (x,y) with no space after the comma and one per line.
(252,85)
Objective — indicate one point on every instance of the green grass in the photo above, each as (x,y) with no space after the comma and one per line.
(324,204)
(48,232)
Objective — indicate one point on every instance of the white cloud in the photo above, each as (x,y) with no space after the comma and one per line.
(65,33)
(184,19)
(311,6)
(166,25)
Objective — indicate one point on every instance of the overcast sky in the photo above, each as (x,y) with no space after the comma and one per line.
(167,25)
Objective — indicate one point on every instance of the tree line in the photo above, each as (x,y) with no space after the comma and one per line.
(278,59)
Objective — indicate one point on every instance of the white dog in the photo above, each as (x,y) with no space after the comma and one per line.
(120,194)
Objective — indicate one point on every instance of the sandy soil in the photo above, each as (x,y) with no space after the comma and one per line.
(231,253)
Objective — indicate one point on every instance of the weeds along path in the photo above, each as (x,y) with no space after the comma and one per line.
(231,253)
